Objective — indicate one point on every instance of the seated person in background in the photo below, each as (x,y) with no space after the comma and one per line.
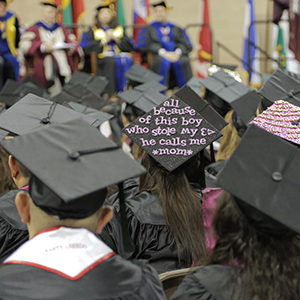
(257,254)
(63,258)
(111,45)
(13,232)
(9,41)
(169,46)
(54,46)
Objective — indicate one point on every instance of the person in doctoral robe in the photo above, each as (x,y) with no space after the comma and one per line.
(13,232)
(51,46)
(71,164)
(112,47)
(9,41)
(169,46)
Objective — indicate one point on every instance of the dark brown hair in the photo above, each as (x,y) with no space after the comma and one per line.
(181,204)
(270,264)
(6,181)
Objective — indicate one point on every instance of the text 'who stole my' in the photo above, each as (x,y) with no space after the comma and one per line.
(172,132)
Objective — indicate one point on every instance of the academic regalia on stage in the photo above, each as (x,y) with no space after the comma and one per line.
(9,41)
(148,229)
(48,64)
(13,232)
(156,37)
(202,283)
(113,59)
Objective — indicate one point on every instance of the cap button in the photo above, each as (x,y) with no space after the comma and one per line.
(290,94)
(74,155)
(277,176)
(45,121)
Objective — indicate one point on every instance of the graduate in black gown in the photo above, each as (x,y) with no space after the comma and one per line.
(257,255)
(164,210)
(13,232)
(169,46)
(112,46)
(63,258)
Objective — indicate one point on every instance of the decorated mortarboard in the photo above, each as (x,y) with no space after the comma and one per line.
(78,93)
(176,130)
(50,3)
(261,176)
(32,113)
(138,73)
(95,84)
(280,86)
(196,84)
(144,101)
(222,89)
(282,119)
(245,109)
(94,113)
(13,91)
(72,164)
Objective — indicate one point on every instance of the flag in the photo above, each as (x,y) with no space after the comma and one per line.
(278,7)
(280,49)
(78,12)
(120,16)
(294,28)
(205,41)
(141,14)
(252,37)
(66,7)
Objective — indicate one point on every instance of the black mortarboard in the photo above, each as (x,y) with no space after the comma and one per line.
(280,86)
(261,174)
(196,84)
(151,84)
(80,94)
(95,84)
(71,165)
(13,91)
(177,129)
(160,3)
(94,113)
(227,67)
(144,101)
(282,119)
(50,3)
(32,113)
(245,109)
(222,89)
(138,73)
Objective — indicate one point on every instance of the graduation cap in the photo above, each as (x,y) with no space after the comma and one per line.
(261,175)
(151,84)
(282,119)
(95,84)
(138,73)
(162,3)
(32,113)
(280,86)
(50,3)
(196,84)
(177,129)
(13,91)
(94,113)
(144,101)
(245,109)
(78,93)
(222,89)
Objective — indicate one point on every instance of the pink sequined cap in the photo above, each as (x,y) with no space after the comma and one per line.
(282,119)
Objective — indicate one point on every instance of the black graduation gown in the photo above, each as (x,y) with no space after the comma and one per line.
(106,65)
(148,229)
(13,232)
(114,278)
(209,283)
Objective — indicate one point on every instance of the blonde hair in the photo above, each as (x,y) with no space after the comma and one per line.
(229,140)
